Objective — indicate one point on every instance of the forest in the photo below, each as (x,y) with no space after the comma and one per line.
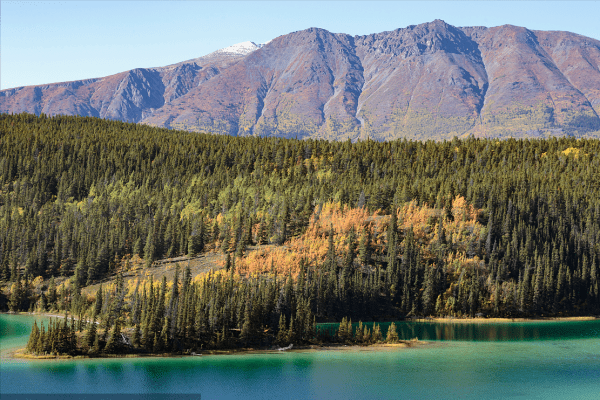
(312,231)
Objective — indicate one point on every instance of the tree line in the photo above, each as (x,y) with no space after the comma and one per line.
(80,196)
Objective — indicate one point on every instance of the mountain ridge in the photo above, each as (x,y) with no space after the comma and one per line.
(427,81)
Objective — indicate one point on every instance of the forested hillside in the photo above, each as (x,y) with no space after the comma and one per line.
(313,230)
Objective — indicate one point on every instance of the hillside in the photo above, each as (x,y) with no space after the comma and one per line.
(84,199)
(195,241)
(429,81)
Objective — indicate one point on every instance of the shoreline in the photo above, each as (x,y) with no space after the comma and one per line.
(481,320)
(18,353)
(409,319)
(45,314)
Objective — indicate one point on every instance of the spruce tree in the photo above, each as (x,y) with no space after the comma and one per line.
(364,248)
(366,336)
(281,331)
(16,294)
(4,264)
(91,335)
(350,253)
(150,248)
(291,333)
(359,332)
(96,346)
(392,334)
(113,345)
(376,337)
(33,338)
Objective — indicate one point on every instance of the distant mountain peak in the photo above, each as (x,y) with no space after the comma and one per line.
(243,48)
(226,54)
(426,81)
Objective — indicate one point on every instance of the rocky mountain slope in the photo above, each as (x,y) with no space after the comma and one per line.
(429,81)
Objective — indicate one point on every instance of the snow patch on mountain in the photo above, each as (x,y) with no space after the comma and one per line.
(238,49)
(233,51)
(241,48)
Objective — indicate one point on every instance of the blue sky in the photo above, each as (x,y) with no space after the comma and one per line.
(55,41)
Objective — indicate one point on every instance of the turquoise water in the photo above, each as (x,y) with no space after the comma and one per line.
(550,367)
(501,331)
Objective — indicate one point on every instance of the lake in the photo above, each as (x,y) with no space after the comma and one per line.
(534,360)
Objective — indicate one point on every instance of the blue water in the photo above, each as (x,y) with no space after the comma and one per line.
(549,368)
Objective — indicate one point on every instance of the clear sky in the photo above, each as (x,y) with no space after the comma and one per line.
(55,41)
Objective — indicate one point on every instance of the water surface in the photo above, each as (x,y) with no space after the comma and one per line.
(488,331)
(531,365)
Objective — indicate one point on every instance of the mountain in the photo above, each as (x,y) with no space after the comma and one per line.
(428,81)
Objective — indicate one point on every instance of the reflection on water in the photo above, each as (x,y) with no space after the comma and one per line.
(502,331)
(496,361)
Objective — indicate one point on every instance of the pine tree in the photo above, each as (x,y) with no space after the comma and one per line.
(163,342)
(98,303)
(281,331)
(137,247)
(392,334)
(80,274)
(113,345)
(537,291)
(343,330)
(196,240)
(364,248)
(349,330)
(366,336)
(16,295)
(331,256)
(376,337)
(350,253)
(560,287)
(4,264)
(439,305)
(150,248)
(96,347)
(137,336)
(40,346)
(429,291)
(247,328)
(291,333)
(51,294)
(263,234)
(228,262)
(359,332)
(91,335)
(33,338)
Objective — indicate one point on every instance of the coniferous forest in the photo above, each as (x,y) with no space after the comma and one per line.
(312,231)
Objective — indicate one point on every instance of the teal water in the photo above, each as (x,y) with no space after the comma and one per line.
(546,366)
(501,331)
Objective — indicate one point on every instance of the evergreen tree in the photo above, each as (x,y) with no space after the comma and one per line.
(150,248)
(376,337)
(350,253)
(113,345)
(364,248)
(33,338)
(281,331)
(16,294)
(91,336)
(392,334)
